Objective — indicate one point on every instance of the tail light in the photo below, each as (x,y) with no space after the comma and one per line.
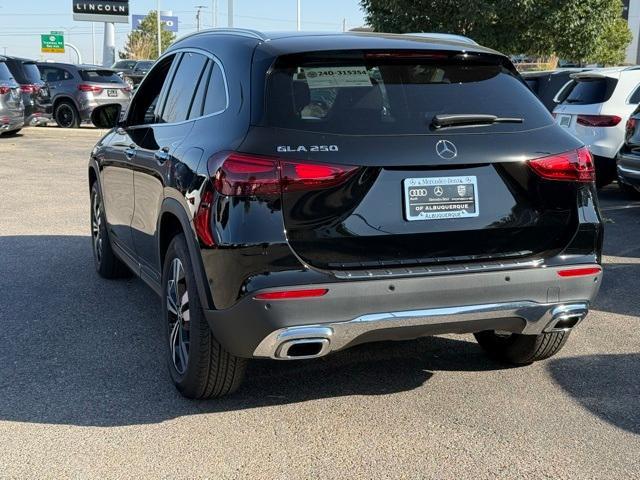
(629,129)
(29,88)
(599,120)
(5,120)
(83,87)
(127,89)
(4,90)
(252,175)
(576,165)
(579,272)
(202,219)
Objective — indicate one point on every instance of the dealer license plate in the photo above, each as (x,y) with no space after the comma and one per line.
(438,198)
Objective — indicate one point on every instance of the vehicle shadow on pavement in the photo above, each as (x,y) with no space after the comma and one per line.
(606,385)
(80,350)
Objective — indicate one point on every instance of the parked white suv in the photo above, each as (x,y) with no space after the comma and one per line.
(594,106)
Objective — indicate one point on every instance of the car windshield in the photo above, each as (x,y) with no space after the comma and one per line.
(125,64)
(392,92)
(31,72)
(100,76)
(587,91)
(144,65)
(5,74)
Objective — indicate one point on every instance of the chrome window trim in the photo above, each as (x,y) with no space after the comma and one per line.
(208,55)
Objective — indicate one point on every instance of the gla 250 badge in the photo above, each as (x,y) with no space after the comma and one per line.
(307,148)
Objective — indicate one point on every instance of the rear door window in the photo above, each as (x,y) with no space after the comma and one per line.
(216,98)
(634,99)
(182,90)
(100,76)
(589,91)
(31,72)
(391,92)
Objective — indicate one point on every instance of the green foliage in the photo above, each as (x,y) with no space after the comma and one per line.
(581,30)
(142,43)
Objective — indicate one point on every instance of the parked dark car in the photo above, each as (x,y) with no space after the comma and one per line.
(132,71)
(35,93)
(548,85)
(425,191)
(628,159)
(77,89)
(11,106)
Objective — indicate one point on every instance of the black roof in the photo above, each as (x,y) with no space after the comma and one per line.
(20,59)
(282,43)
(82,66)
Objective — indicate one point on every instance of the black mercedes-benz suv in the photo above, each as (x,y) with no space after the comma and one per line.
(290,195)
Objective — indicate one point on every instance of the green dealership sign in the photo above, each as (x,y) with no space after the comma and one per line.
(52,43)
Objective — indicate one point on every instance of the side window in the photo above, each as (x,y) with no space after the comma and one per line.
(634,99)
(182,89)
(216,100)
(142,108)
(201,91)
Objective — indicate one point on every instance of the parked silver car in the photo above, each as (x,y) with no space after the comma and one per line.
(11,105)
(77,89)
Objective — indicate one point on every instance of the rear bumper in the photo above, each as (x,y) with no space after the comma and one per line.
(628,169)
(527,301)
(87,106)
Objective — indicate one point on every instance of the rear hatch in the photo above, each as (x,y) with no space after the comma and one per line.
(105,85)
(10,98)
(372,179)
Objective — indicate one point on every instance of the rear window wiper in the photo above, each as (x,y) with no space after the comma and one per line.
(470,119)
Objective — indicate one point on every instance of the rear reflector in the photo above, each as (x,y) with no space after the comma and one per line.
(598,120)
(253,175)
(579,272)
(4,90)
(292,294)
(576,165)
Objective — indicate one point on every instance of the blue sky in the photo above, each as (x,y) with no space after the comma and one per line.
(22,21)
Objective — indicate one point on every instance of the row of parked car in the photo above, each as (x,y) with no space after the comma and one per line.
(602,108)
(35,93)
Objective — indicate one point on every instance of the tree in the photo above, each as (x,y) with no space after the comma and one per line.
(581,30)
(143,42)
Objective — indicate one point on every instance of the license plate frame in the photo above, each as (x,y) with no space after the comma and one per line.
(112,92)
(440,198)
(564,120)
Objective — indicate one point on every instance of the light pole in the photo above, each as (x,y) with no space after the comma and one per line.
(198,15)
(159,25)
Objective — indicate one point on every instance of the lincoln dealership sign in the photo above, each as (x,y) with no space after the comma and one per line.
(101,11)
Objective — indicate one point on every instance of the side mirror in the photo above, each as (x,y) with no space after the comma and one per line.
(106,116)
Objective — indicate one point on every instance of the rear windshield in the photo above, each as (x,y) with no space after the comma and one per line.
(144,65)
(5,74)
(31,72)
(587,91)
(387,92)
(126,64)
(100,76)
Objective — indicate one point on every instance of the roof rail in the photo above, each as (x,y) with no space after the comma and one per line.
(244,32)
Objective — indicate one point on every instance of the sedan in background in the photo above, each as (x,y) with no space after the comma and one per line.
(132,71)
(35,94)
(77,89)
(11,106)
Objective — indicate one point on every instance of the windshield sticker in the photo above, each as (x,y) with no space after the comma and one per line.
(331,77)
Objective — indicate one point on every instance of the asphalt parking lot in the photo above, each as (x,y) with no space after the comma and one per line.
(84,391)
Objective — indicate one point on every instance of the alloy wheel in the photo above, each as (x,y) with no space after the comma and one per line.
(65,116)
(179,316)
(96,226)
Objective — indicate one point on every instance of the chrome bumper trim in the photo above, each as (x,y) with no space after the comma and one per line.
(538,318)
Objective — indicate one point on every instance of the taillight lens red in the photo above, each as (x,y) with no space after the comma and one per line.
(4,90)
(253,175)
(576,165)
(630,127)
(598,120)
(29,88)
(202,219)
(127,89)
(292,294)
(83,87)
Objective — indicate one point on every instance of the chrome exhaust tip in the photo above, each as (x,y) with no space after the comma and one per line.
(566,317)
(302,349)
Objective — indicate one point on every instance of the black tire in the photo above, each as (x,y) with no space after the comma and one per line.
(629,191)
(517,349)
(106,263)
(199,366)
(66,115)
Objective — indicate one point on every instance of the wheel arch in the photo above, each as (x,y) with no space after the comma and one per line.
(64,98)
(172,221)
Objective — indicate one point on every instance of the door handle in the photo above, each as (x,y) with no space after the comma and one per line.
(162,155)
(130,152)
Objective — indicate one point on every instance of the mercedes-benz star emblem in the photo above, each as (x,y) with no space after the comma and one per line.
(438,191)
(446,149)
